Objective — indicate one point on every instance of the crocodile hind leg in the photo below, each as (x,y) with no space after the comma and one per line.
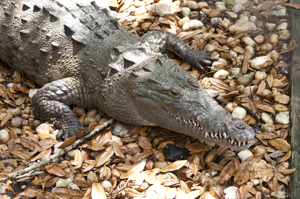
(161,41)
(52,101)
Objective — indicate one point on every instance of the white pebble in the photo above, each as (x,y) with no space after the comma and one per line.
(106,184)
(239,112)
(186,26)
(242,26)
(185,11)
(120,129)
(260,75)
(243,155)
(232,15)
(195,24)
(161,8)
(282,26)
(221,74)
(32,92)
(261,62)
(202,4)
(266,118)
(212,93)
(283,117)
(193,5)
(182,21)
(231,192)
(251,49)
(215,21)
(248,41)
(253,19)
(237,8)
(221,7)
(249,90)
(4,136)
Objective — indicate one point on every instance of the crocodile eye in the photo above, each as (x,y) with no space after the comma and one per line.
(175,93)
(193,82)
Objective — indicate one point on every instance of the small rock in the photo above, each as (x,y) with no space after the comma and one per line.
(261,62)
(161,8)
(16,121)
(202,4)
(87,121)
(237,8)
(266,118)
(182,21)
(174,153)
(15,111)
(220,7)
(212,93)
(274,55)
(215,21)
(225,23)
(242,26)
(267,47)
(239,112)
(146,25)
(215,13)
(25,116)
(232,15)
(243,155)
(248,41)
(4,136)
(251,49)
(229,107)
(245,79)
(266,92)
(249,90)
(282,98)
(268,127)
(106,184)
(27,110)
(283,117)
(195,24)
(253,19)
(220,64)
(221,74)
(260,75)
(231,192)
(120,129)
(139,4)
(284,36)
(32,92)
(192,5)
(92,113)
(78,111)
(270,26)
(280,108)
(186,26)
(259,39)
(282,26)
(185,11)
(274,39)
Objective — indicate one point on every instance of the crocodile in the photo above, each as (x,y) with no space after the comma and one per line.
(79,55)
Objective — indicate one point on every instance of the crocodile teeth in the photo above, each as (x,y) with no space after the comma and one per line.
(239,144)
(206,134)
(224,134)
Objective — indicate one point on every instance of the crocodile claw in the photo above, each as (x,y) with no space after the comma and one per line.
(198,59)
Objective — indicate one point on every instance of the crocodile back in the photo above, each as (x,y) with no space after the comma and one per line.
(53,39)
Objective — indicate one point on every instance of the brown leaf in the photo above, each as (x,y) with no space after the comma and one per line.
(30,144)
(24,156)
(5,119)
(173,166)
(219,83)
(55,169)
(135,170)
(285,157)
(117,150)
(267,5)
(280,144)
(44,154)
(144,143)
(292,45)
(20,100)
(229,170)
(270,80)
(105,156)
(67,142)
(139,157)
(294,5)
(264,106)
(98,191)
(68,193)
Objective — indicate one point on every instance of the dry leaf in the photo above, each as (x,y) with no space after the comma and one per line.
(280,144)
(134,171)
(173,166)
(68,193)
(144,143)
(229,170)
(98,191)
(55,169)
(139,157)
(105,156)
(5,119)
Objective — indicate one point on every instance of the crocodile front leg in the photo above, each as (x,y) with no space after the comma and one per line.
(161,41)
(52,101)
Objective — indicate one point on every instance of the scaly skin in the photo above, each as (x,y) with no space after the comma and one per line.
(81,56)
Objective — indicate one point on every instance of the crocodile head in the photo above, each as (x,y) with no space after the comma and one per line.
(163,94)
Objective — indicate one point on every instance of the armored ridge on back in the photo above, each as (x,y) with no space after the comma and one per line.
(80,55)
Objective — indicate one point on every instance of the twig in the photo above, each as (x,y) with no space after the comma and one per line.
(44,161)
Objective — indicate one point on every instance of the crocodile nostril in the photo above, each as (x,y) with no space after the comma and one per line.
(240,125)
